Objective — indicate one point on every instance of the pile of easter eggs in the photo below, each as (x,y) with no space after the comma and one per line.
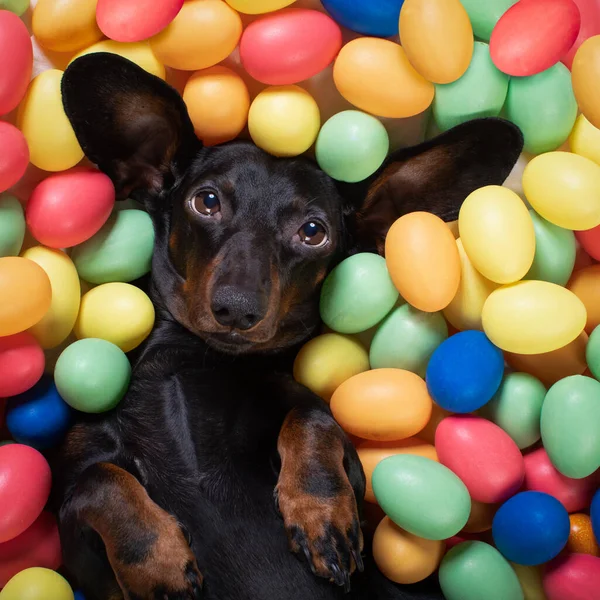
(464,364)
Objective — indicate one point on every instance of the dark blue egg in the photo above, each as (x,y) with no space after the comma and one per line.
(371,17)
(595,514)
(79,595)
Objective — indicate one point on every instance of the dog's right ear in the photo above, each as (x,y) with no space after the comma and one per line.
(133,125)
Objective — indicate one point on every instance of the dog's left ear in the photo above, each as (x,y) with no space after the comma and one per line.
(130,123)
(435,177)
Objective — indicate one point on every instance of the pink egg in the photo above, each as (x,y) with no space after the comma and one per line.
(14,155)
(533,35)
(542,476)
(573,577)
(135,20)
(25,482)
(482,455)
(16,61)
(289,46)
(37,546)
(590,26)
(68,208)
(21,363)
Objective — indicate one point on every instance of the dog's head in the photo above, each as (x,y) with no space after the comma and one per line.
(244,240)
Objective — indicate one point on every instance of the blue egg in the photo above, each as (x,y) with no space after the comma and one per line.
(38,417)
(464,372)
(371,17)
(531,528)
(79,595)
(595,514)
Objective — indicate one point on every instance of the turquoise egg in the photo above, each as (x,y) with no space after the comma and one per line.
(544,107)
(592,352)
(12,226)
(480,92)
(570,425)
(422,496)
(484,14)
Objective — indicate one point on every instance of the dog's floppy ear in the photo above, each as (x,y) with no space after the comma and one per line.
(130,123)
(435,176)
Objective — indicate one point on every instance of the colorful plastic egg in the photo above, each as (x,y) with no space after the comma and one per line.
(382,405)
(21,363)
(585,284)
(497,233)
(581,538)
(23,279)
(475,570)
(573,576)
(585,139)
(485,15)
(533,35)
(530,579)
(595,514)
(25,482)
(357,294)
(180,46)
(255,7)
(42,119)
(366,17)
(14,155)
(531,317)
(376,76)
(570,426)
(12,225)
(37,584)
(16,61)
(16,6)
(586,79)
(592,353)
(422,496)
(480,518)
(590,241)
(590,26)
(437,37)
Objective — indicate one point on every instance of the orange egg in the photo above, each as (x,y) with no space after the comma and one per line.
(481,517)
(581,538)
(375,76)
(382,405)
(372,453)
(585,284)
(423,260)
(586,79)
(403,557)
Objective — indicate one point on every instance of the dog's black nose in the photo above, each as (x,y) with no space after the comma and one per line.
(235,307)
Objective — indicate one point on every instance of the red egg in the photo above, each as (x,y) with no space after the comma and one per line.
(533,35)
(135,20)
(37,546)
(590,240)
(484,456)
(14,155)
(572,577)
(25,482)
(289,46)
(21,363)
(68,208)
(16,61)
(590,26)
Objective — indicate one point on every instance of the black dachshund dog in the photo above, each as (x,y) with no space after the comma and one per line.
(218,476)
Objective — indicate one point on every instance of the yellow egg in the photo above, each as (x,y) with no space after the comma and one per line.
(117,312)
(325,362)
(438,38)
(585,139)
(531,581)
(58,322)
(497,233)
(464,312)
(254,7)
(284,120)
(42,119)
(531,317)
(138,52)
(585,73)
(37,583)
(564,188)
(65,25)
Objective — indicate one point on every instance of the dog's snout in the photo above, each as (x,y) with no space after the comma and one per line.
(235,307)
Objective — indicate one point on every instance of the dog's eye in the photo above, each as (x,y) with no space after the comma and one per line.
(206,203)
(313,234)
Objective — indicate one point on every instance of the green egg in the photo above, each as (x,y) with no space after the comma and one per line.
(571,425)
(12,226)
(484,14)
(357,294)
(477,571)
(544,107)
(406,339)
(17,6)
(121,251)
(480,92)
(422,496)
(516,407)
(592,352)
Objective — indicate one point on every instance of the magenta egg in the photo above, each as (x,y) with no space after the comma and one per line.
(14,155)
(135,20)
(289,45)
(484,456)
(70,207)
(533,35)
(21,363)
(16,61)
(590,26)
(572,577)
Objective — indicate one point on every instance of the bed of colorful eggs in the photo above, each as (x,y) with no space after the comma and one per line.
(465,366)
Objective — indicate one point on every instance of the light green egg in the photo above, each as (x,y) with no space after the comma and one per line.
(571,425)
(544,107)
(484,14)
(357,294)
(592,352)
(406,339)
(12,226)
(120,251)
(480,92)
(17,6)
(477,571)
(422,496)
(516,407)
